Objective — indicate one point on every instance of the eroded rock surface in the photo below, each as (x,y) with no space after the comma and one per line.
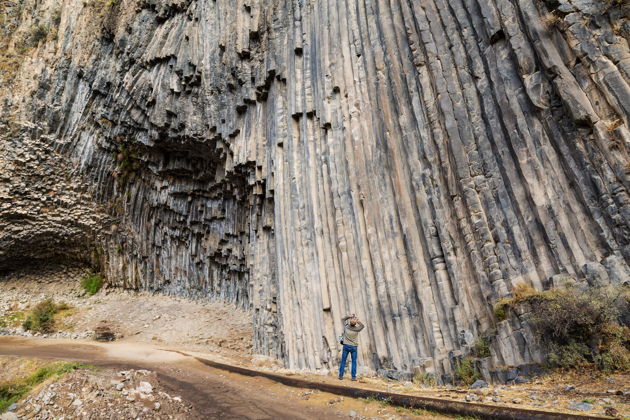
(408,161)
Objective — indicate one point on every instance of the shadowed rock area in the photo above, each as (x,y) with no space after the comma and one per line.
(410,161)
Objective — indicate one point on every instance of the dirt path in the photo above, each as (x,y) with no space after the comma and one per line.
(213,393)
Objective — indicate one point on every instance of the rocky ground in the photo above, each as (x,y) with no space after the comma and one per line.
(104,394)
(583,393)
(132,316)
(223,333)
(107,393)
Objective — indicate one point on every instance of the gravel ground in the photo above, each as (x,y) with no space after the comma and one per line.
(97,394)
(133,316)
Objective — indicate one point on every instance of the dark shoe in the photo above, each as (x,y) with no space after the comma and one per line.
(354,379)
(340,378)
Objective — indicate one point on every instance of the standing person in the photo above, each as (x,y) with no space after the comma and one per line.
(350,341)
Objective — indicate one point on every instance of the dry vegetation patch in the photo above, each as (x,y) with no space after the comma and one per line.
(43,317)
(577,327)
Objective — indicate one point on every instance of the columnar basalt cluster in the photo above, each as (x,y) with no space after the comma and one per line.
(409,161)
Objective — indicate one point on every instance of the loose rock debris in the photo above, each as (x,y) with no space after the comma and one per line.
(105,394)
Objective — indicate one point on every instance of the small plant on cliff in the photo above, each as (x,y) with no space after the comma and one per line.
(42,317)
(56,17)
(465,372)
(92,283)
(128,162)
(481,348)
(38,33)
(607,4)
(577,327)
(552,20)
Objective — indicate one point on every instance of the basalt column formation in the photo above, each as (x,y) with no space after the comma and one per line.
(411,161)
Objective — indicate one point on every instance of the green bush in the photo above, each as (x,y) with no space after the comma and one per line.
(567,356)
(42,317)
(500,311)
(12,319)
(92,283)
(465,372)
(13,391)
(577,327)
(38,33)
(615,355)
(56,17)
(481,348)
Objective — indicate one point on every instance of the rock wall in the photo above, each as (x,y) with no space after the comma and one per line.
(410,161)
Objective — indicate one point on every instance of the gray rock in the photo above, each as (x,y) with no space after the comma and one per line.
(471,397)
(596,274)
(478,384)
(145,388)
(9,416)
(617,269)
(398,375)
(582,406)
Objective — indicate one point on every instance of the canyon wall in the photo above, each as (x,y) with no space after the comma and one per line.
(409,161)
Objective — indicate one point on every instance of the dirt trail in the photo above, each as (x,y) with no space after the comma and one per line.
(213,393)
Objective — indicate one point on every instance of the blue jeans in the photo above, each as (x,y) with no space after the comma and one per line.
(353,351)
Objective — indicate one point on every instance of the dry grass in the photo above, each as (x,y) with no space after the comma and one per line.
(612,125)
(552,20)
(521,293)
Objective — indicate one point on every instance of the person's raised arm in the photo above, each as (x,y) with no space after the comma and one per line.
(347,317)
(360,325)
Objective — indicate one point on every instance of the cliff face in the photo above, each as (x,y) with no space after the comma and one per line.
(410,161)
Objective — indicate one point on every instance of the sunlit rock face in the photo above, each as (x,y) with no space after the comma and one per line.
(409,161)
